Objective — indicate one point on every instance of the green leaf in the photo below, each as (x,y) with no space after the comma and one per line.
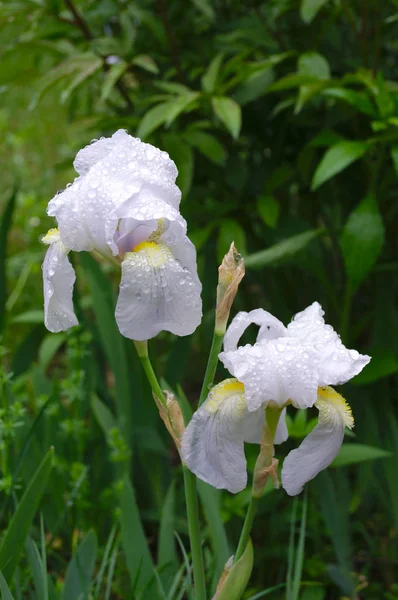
(38,573)
(5,590)
(49,347)
(208,145)
(362,240)
(111,78)
(166,542)
(238,577)
(394,158)
(134,542)
(209,79)
(79,574)
(229,112)
(281,251)
(103,415)
(358,100)
(336,159)
(146,62)
(230,231)
(182,155)
(310,8)
(314,64)
(351,454)
(32,317)
(268,209)
(15,536)
(5,224)
(154,118)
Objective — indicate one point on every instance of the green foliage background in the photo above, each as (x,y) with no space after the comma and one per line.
(282,118)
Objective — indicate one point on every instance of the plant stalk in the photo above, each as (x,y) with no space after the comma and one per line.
(211,365)
(191,497)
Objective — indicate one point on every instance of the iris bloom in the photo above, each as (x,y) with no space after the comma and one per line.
(125,204)
(293,365)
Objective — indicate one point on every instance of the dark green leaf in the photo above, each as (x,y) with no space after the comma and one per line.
(310,8)
(229,112)
(351,454)
(336,159)
(362,240)
(79,574)
(282,250)
(268,209)
(5,224)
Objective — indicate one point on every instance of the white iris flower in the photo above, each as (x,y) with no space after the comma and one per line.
(293,365)
(125,204)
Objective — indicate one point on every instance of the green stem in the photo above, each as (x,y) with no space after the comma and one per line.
(191,497)
(211,364)
(247,527)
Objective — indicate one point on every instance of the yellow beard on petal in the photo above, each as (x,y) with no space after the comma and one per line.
(224,390)
(331,405)
(157,254)
(51,236)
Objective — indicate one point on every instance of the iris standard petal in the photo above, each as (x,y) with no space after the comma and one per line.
(58,281)
(270,327)
(337,364)
(280,370)
(112,170)
(321,446)
(156,293)
(213,442)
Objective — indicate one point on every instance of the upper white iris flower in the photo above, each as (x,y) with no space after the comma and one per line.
(125,204)
(293,365)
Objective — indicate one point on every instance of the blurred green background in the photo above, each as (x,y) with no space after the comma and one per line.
(282,118)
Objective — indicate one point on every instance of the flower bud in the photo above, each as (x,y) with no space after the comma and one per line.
(230,274)
(171,416)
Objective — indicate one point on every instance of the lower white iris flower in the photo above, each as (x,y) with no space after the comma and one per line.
(293,365)
(125,203)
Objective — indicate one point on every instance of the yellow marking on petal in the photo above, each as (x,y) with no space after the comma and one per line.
(51,236)
(331,405)
(222,391)
(157,254)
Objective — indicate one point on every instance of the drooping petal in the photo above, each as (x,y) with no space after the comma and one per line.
(270,327)
(112,170)
(156,293)
(281,433)
(321,446)
(337,364)
(212,445)
(58,281)
(278,370)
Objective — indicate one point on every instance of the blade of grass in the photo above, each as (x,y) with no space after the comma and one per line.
(5,590)
(5,224)
(104,562)
(13,541)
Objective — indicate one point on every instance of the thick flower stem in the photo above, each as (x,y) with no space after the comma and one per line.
(247,527)
(211,364)
(191,497)
(265,466)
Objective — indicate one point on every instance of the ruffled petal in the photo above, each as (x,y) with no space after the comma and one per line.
(321,446)
(337,364)
(58,281)
(270,327)
(113,170)
(212,444)
(280,370)
(156,293)
(281,433)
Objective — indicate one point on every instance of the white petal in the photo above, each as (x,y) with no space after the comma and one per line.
(270,327)
(321,446)
(281,433)
(156,293)
(143,208)
(58,281)
(337,364)
(112,171)
(212,444)
(277,370)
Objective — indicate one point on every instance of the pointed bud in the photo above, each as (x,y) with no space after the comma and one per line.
(171,416)
(235,577)
(230,274)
